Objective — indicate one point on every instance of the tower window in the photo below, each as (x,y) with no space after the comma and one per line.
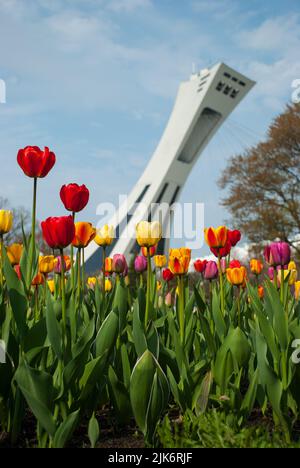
(227,75)
(227,90)
(234,93)
(242,83)
(220,86)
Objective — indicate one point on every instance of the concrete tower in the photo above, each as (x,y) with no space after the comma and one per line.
(202,105)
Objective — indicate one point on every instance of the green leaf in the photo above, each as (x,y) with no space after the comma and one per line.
(93,431)
(66,429)
(53,329)
(37,388)
(16,294)
(120,397)
(107,335)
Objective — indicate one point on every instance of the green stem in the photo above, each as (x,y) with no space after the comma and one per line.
(148,293)
(239,306)
(33,222)
(83,268)
(63,294)
(72,263)
(221,285)
(103,269)
(181,306)
(282,285)
(1,263)
(78,275)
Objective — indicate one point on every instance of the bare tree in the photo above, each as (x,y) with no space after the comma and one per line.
(263,184)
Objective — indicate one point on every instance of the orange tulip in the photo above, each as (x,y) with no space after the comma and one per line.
(216,238)
(84,234)
(256,266)
(108,265)
(38,279)
(236,276)
(151,250)
(261,292)
(14,253)
(179,260)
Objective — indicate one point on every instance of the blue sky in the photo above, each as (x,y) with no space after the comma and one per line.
(95,80)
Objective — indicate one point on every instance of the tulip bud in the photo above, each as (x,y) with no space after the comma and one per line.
(211,270)
(200,265)
(167,275)
(119,264)
(169,300)
(140,264)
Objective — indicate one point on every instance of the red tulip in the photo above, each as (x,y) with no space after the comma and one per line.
(58,232)
(234,264)
(74,197)
(167,275)
(223,251)
(234,237)
(200,265)
(34,162)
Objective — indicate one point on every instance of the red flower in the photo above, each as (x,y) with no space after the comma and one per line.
(200,265)
(234,264)
(58,232)
(167,274)
(75,197)
(17,269)
(223,251)
(35,162)
(234,237)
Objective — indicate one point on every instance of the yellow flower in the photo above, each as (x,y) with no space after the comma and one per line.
(91,281)
(46,264)
(237,276)
(158,285)
(179,260)
(105,235)
(297,290)
(14,253)
(291,274)
(108,285)
(256,266)
(51,285)
(6,220)
(216,237)
(160,261)
(148,234)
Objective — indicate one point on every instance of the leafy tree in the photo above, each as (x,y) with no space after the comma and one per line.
(263,184)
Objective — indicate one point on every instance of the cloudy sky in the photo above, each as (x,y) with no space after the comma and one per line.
(95,80)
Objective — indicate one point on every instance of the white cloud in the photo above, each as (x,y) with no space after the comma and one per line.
(275,34)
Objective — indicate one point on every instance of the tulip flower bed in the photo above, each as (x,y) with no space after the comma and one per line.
(142,349)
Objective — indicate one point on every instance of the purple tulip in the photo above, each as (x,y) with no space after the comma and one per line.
(119,264)
(140,264)
(211,270)
(271,273)
(280,253)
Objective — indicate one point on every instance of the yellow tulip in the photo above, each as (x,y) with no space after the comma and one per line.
(148,234)
(297,290)
(105,235)
(91,281)
(236,276)
(6,221)
(46,264)
(158,285)
(51,285)
(14,253)
(108,285)
(160,261)
(291,274)
(179,260)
